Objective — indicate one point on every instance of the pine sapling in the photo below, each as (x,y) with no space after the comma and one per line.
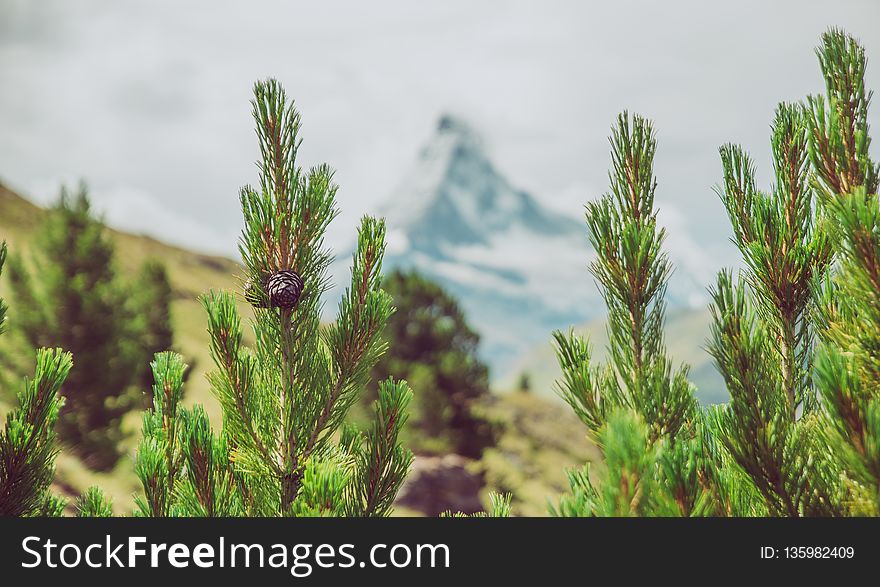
(762,334)
(652,407)
(284,400)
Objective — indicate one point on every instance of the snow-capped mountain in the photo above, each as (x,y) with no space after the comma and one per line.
(454,197)
(518,268)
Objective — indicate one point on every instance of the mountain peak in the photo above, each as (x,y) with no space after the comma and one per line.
(451,124)
(454,196)
(454,139)
(458,220)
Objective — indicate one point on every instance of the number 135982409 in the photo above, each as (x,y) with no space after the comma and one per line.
(808,552)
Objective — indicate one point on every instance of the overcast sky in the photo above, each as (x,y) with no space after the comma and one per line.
(148,101)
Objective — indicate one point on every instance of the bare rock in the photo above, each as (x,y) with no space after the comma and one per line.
(436,484)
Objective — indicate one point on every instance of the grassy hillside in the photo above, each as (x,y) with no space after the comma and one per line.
(686,335)
(538,441)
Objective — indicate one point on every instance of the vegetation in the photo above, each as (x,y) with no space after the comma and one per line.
(799,435)
(639,412)
(190,274)
(152,301)
(431,345)
(537,440)
(74,299)
(27,441)
(283,449)
(283,401)
(795,335)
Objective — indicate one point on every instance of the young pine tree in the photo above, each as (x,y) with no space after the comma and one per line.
(642,415)
(283,449)
(847,371)
(27,441)
(74,300)
(803,456)
(762,336)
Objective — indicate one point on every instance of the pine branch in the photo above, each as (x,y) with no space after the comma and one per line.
(381,461)
(635,405)
(207,486)
(354,340)
(848,366)
(756,427)
(27,443)
(633,270)
(235,380)
(782,243)
(94,504)
(628,485)
(159,458)
(839,142)
(580,383)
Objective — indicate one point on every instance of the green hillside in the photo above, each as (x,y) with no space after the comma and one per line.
(686,333)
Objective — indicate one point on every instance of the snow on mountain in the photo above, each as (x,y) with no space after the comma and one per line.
(518,268)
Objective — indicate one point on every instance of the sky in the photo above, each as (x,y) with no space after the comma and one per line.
(148,101)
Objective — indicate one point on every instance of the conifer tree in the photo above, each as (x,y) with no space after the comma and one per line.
(27,441)
(793,452)
(432,346)
(801,432)
(152,298)
(847,371)
(640,413)
(74,300)
(283,449)
(762,337)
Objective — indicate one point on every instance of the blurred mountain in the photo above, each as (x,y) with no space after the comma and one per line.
(518,268)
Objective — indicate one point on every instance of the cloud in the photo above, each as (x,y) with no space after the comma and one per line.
(131,209)
(149,101)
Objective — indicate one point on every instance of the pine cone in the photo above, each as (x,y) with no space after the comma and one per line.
(284,289)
